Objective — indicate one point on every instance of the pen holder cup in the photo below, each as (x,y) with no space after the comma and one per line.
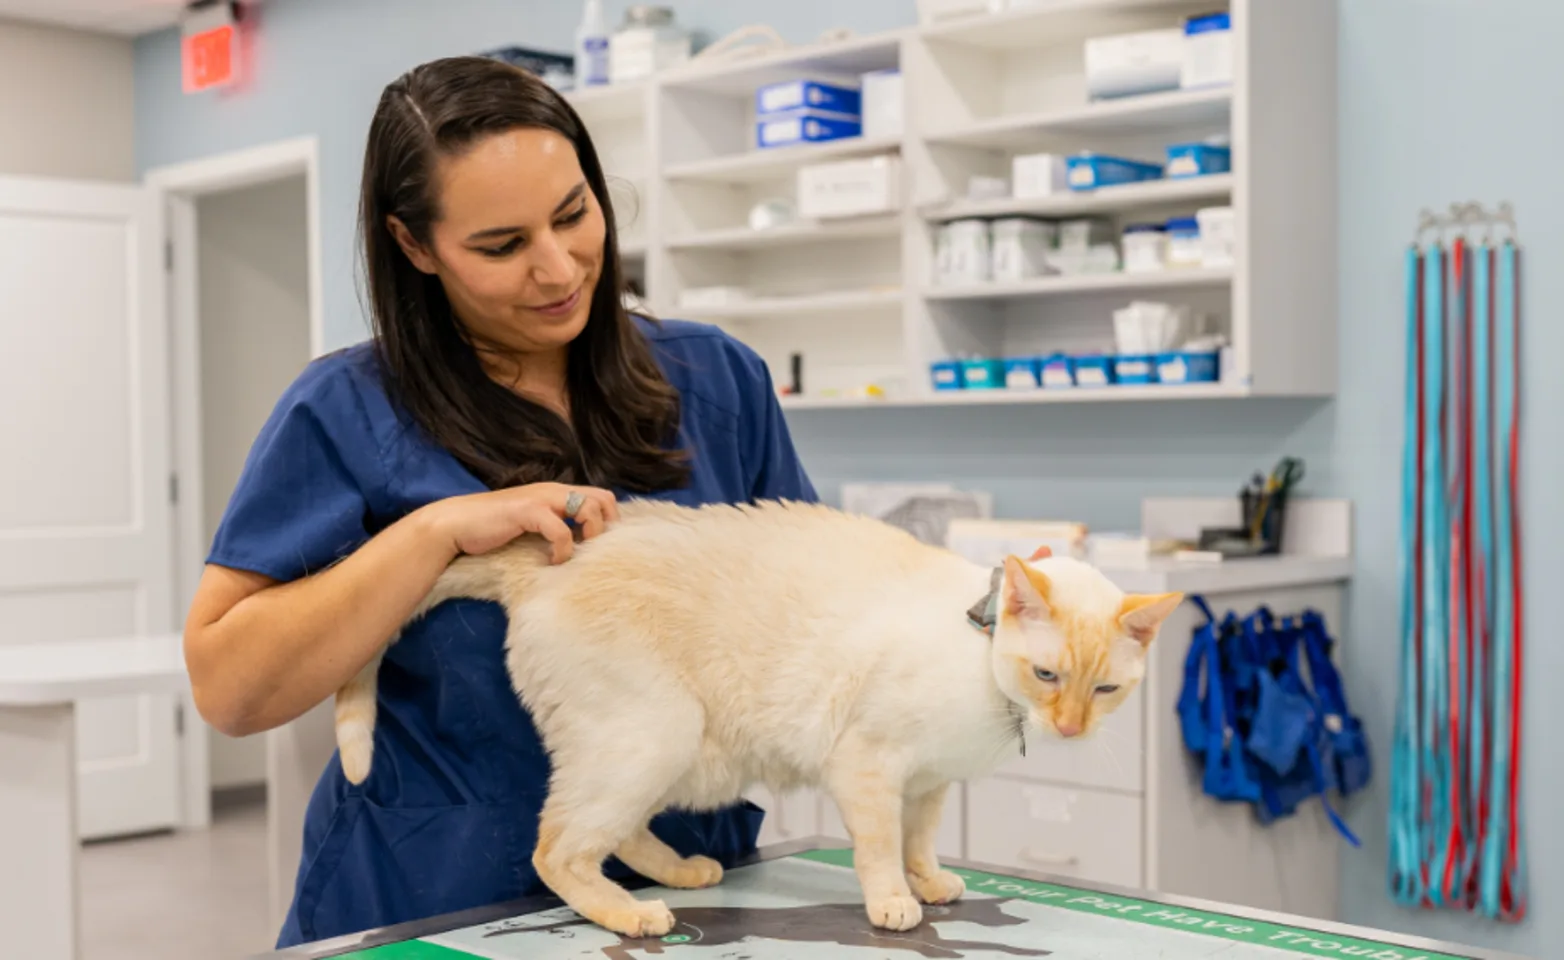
(1272,522)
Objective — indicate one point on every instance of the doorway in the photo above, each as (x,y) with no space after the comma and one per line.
(253,277)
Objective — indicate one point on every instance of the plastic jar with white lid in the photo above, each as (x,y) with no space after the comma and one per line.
(1145,248)
(1184,249)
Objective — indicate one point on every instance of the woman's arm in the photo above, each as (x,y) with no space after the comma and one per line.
(261,653)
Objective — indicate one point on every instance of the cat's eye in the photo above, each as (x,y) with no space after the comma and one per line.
(1108,688)
(1047,676)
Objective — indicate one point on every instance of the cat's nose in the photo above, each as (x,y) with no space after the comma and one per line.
(1068,729)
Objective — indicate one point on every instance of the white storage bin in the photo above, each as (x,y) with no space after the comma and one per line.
(1128,64)
(964,252)
(849,188)
(1020,248)
(882,99)
(1216,236)
(1039,175)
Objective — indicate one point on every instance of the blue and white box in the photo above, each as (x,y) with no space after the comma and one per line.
(1088,171)
(1208,51)
(1198,160)
(804,126)
(807,95)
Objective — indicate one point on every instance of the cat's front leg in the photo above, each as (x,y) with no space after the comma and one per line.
(921,819)
(868,792)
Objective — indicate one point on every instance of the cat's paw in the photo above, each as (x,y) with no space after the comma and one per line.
(894,912)
(648,918)
(693,873)
(940,887)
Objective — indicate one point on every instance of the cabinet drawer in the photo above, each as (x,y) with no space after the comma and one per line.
(791,816)
(1059,830)
(946,844)
(1112,758)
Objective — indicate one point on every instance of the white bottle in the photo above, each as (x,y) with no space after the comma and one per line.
(592,46)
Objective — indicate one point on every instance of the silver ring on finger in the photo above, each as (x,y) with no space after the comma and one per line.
(573,503)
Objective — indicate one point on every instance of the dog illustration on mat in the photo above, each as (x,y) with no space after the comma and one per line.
(839,923)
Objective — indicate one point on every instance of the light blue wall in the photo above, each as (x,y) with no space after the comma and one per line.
(1430,112)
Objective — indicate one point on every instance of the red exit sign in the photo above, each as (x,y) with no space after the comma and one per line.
(209,49)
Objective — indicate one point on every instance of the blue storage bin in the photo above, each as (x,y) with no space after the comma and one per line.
(1092,371)
(798,94)
(805,126)
(1057,371)
(1088,171)
(1135,368)
(1181,367)
(1021,373)
(1198,160)
(983,374)
(946,375)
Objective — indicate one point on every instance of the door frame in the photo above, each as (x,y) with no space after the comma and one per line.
(179,187)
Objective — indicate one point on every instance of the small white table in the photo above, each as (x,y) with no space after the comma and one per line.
(39,686)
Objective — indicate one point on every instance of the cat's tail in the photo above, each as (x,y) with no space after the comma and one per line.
(477,578)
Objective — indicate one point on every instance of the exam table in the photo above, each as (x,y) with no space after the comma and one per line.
(802,899)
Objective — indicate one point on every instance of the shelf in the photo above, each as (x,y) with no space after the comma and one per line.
(1150,113)
(803,232)
(1104,199)
(1084,283)
(777,162)
(620,101)
(966,398)
(1042,24)
(743,75)
(852,301)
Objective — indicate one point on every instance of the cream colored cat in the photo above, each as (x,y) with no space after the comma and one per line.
(686,655)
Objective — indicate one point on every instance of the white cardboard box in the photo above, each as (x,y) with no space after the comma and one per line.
(849,188)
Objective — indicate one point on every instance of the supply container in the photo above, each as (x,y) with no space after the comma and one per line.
(1098,258)
(1135,368)
(1020,248)
(1092,370)
(982,373)
(1088,171)
(804,126)
(1022,373)
(968,252)
(849,188)
(592,57)
(1208,51)
(1198,160)
(1039,175)
(883,99)
(1216,236)
(946,375)
(1188,367)
(1145,248)
(1057,371)
(808,94)
(1082,234)
(647,41)
(1184,248)
(1128,64)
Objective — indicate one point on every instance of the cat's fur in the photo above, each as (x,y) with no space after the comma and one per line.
(686,655)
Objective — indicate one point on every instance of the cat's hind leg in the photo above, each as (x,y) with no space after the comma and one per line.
(651,858)
(867,787)
(920,826)
(609,778)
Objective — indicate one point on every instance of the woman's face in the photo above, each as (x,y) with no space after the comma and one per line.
(519,240)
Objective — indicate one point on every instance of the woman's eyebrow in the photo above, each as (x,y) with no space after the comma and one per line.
(570,198)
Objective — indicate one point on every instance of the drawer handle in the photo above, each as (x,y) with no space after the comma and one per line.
(1048,860)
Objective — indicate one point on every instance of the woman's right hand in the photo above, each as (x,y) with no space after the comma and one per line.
(480,522)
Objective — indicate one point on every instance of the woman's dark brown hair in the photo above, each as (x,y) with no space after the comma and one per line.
(625,413)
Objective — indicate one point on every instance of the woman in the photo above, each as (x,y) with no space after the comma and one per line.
(506,392)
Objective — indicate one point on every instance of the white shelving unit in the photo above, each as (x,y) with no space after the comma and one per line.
(855,297)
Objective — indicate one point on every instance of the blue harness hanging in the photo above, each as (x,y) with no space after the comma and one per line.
(1266,735)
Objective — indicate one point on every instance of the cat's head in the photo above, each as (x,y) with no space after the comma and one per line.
(1069,645)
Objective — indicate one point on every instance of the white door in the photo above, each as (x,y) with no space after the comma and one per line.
(85,517)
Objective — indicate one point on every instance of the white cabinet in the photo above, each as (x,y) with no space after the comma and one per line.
(1064,831)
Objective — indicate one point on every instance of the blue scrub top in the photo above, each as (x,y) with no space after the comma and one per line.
(447,819)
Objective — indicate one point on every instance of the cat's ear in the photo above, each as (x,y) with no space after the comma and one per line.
(1026,590)
(1141,614)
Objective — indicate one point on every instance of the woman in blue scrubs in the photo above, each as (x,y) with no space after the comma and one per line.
(506,391)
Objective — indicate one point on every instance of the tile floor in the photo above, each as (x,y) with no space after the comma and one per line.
(183,896)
